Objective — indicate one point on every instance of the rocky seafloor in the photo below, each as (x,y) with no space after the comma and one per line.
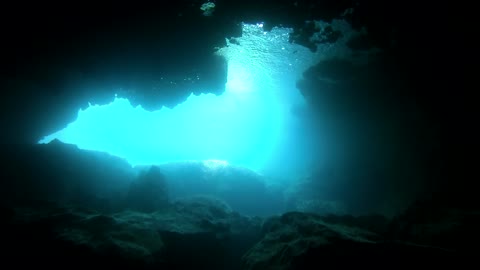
(62,207)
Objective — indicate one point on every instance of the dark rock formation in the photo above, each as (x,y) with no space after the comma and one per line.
(183,237)
(149,192)
(208,227)
(61,59)
(398,117)
(393,115)
(63,173)
(293,236)
(305,241)
(244,190)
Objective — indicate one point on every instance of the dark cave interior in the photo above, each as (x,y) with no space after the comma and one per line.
(401,133)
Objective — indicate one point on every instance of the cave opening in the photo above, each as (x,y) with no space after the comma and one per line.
(255,123)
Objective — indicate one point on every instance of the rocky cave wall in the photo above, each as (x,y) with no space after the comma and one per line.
(413,95)
(57,62)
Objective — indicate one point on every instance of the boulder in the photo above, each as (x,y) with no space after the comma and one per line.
(242,189)
(199,233)
(307,241)
(149,192)
(62,173)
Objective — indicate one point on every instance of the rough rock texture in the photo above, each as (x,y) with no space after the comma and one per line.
(293,236)
(244,190)
(306,241)
(151,53)
(375,157)
(204,233)
(200,233)
(61,62)
(63,173)
(57,59)
(412,107)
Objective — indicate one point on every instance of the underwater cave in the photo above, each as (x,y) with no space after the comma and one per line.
(237,135)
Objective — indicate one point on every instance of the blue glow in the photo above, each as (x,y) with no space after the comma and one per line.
(229,127)
(249,125)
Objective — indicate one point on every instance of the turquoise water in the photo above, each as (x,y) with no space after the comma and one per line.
(251,124)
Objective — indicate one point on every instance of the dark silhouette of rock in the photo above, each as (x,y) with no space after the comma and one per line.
(62,173)
(242,189)
(149,192)
(410,109)
(202,233)
(206,226)
(307,241)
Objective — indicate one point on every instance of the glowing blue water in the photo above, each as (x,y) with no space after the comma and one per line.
(251,124)
(237,128)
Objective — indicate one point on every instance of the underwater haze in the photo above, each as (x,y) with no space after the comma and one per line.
(260,122)
(238,135)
